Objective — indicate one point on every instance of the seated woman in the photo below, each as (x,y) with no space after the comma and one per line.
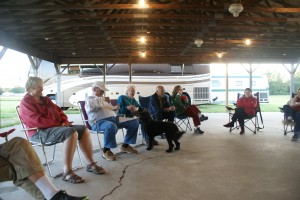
(39,111)
(292,112)
(183,107)
(245,106)
(129,105)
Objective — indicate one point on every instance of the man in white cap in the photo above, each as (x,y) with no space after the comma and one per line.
(103,117)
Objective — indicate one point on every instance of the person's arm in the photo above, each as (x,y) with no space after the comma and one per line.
(240,103)
(93,103)
(32,117)
(63,116)
(123,107)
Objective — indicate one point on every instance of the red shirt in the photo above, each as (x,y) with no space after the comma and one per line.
(249,104)
(41,115)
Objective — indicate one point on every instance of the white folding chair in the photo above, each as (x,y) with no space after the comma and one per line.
(43,145)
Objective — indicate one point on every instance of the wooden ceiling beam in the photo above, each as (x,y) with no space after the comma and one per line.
(152,6)
(148,16)
(25,48)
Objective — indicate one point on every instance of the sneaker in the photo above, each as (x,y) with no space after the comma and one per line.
(295,137)
(108,155)
(62,195)
(128,149)
(229,125)
(198,130)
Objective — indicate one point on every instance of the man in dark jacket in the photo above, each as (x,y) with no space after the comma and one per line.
(160,106)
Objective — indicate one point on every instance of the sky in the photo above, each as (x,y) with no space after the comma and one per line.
(14,68)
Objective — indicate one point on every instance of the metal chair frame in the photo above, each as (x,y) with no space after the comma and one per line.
(43,145)
(86,120)
(249,118)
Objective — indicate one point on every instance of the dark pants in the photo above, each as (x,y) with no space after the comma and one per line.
(239,115)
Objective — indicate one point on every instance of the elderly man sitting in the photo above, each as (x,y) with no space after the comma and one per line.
(104,118)
(160,106)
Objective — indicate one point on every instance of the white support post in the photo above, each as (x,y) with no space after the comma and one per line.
(104,75)
(292,72)
(58,84)
(226,83)
(35,64)
(130,73)
(2,52)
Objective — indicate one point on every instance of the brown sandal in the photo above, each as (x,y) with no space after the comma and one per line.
(93,167)
(73,178)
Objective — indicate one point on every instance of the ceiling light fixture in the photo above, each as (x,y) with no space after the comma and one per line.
(235,9)
(143,54)
(198,42)
(142,4)
(220,54)
(248,42)
(142,39)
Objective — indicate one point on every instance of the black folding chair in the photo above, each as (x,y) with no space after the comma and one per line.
(43,145)
(252,119)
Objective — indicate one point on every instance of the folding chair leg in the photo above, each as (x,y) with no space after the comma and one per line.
(99,142)
(47,163)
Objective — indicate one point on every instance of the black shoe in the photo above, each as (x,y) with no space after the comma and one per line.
(198,130)
(242,132)
(62,195)
(229,125)
(203,118)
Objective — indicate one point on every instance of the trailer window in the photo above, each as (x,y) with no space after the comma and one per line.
(201,93)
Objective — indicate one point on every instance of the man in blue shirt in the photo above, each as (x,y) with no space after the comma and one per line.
(160,106)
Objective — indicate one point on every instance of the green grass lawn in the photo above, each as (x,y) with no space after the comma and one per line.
(9,116)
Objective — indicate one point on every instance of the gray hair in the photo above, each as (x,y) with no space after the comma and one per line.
(32,82)
(128,87)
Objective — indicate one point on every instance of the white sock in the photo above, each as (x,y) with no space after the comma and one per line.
(46,187)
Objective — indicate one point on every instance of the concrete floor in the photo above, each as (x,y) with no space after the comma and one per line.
(215,166)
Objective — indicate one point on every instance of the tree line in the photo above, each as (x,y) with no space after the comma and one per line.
(13,90)
(278,86)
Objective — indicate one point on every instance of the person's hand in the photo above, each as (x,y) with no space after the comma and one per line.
(130,107)
(172,108)
(107,99)
(116,108)
(63,124)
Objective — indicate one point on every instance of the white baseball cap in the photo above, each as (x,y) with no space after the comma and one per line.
(99,85)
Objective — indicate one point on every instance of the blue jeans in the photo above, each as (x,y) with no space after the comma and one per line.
(110,127)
